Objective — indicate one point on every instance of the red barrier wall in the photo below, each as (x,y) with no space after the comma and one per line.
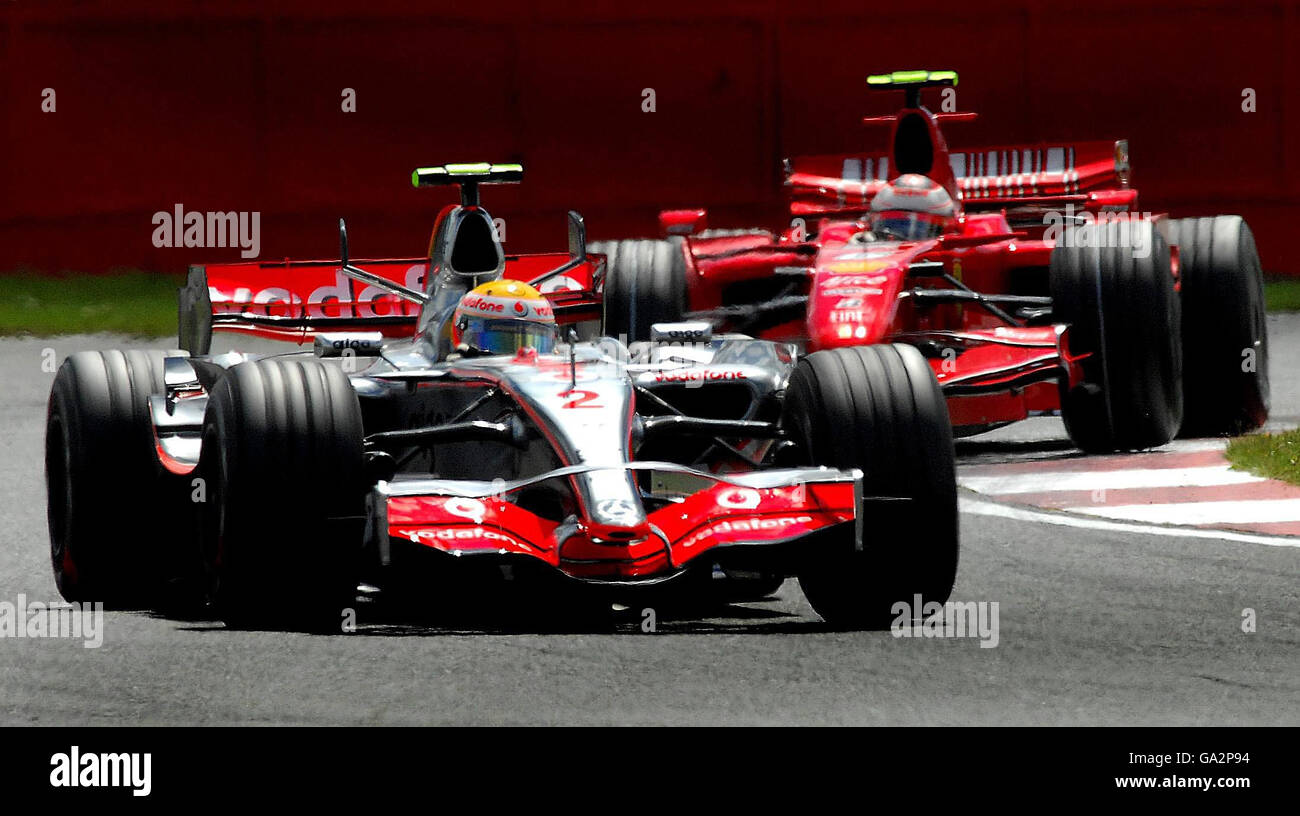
(237,106)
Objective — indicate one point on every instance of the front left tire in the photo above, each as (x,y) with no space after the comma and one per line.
(116,516)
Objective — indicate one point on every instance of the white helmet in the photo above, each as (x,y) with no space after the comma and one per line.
(912,207)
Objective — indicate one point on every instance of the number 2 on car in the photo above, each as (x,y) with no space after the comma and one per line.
(580,399)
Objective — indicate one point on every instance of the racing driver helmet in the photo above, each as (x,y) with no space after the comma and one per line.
(912,207)
(502,317)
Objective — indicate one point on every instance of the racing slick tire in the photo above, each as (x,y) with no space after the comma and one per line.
(283,464)
(645,283)
(879,409)
(1225,339)
(113,510)
(1124,313)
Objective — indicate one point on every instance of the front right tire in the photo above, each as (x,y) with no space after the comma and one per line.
(879,409)
(283,464)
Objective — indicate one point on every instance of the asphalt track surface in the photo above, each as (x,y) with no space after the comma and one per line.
(1096,627)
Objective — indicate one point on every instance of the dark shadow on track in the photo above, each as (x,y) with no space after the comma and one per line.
(1002,451)
(980,446)
(378,620)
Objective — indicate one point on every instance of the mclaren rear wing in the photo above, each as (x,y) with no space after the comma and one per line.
(296,300)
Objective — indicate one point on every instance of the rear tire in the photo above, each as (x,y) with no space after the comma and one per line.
(1225,339)
(282,456)
(879,408)
(1124,312)
(645,283)
(114,513)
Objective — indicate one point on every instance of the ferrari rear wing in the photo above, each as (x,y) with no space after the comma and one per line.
(1041,174)
(1029,178)
(1089,175)
(296,300)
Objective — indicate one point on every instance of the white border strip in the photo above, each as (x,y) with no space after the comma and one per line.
(1055,481)
(987,508)
(1205,512)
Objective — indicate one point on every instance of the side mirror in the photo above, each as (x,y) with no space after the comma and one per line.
(345,265)
(577,236)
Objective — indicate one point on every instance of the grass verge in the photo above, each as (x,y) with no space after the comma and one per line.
(1282,295)
(140,304)
(1276,456)
(143,304)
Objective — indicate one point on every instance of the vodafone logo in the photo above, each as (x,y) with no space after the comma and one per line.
(742,498)
(698,376)
(562,283)
(479,303)
(419,536)
(471,509)
(489,306)
(767,526)
(619,511)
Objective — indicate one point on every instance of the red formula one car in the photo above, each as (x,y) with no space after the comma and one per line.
(1025,274)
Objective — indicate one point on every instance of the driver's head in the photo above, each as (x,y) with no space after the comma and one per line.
(501,317)
(912,207)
